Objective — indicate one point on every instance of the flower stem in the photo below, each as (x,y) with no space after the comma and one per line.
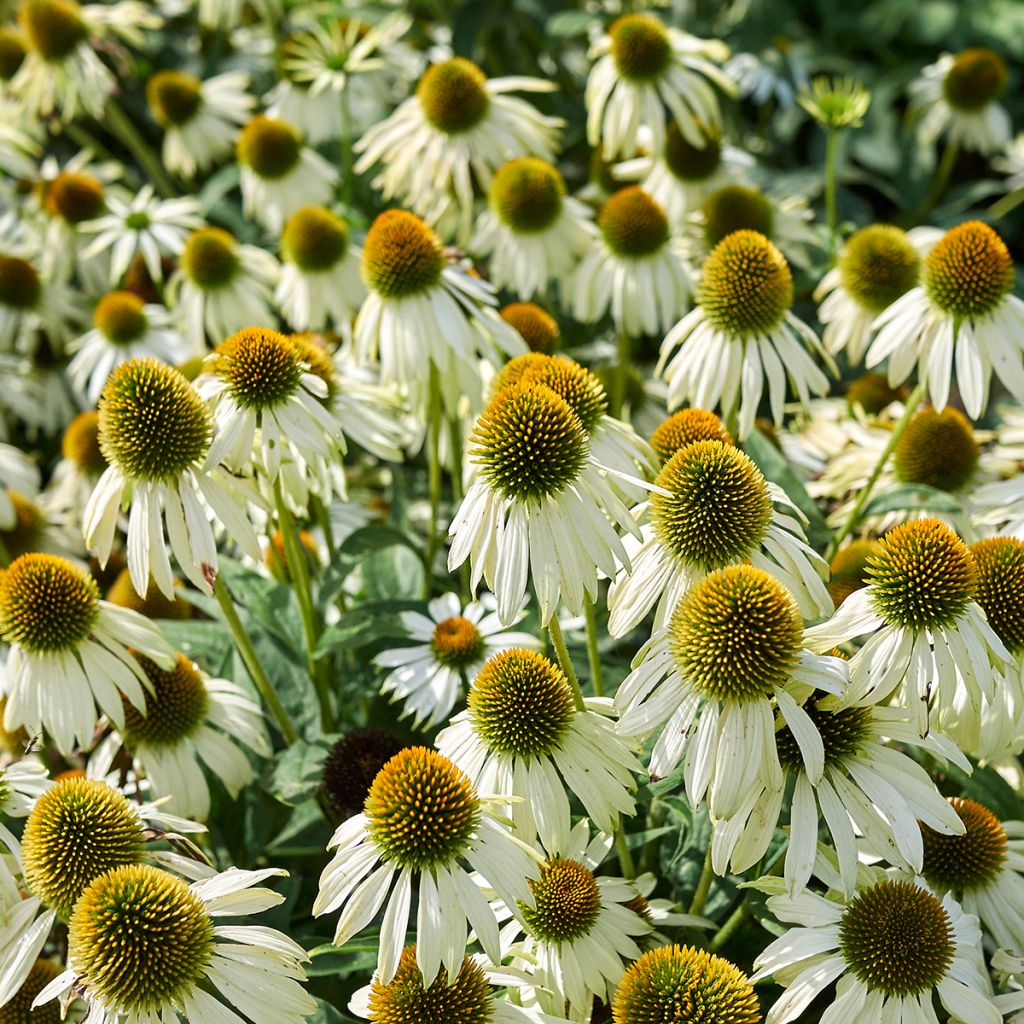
(593,654)
(726,932)
(831,150)
(617,399)
(563,659)
(121,125)
(625,855)
(700,894)
(433,476)
(455,437)
(252,662)
(1008,203)
(346,152)
(865,493)
(942,174)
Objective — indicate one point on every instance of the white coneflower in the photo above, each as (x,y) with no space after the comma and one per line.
(124,327)
(187,962)
(928,636)
(320,284)
(453,643)
(523,736)
(280,173)
(456,131)
(538,505)
(877,265)
(424,315)
(634,268)
(962,313)
(69,650)
(959,96)
(741,336)
(143,225)
(532,231)
(221,287)
(733,654)
(892,948)
(424,820)
(201,119)
(713,508)
(31,303)
(155,434)
(644,66)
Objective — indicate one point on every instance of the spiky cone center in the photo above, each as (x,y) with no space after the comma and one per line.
(718,508)
(641,47)
(526,195)
(690,163)
(453,95)
(353,764)
(140,938)
(466,999)
(567,902)
(685,986)
(581,389)
(456,642)
(120,317)
(210,258)
(999,568)
(174,97)
(20,287)
(977,78)
(18,1010)
(633,223)
(78,829)
(175,709)
(848,569)
(922,576)
(152,604)
(53,28)
(421,810)
(969,862)
(25,534)
(314,239)
(736,635)
(528,443)
(873,393)
(686,427)
(877,265)
(521,704)
(843,733)
(12,52)
(969,271)
(746,287)
(401,255)
(153,424)
(736,208)
(260,367)
(47,604)
(897,939)
(535,326)
(937,449)
(269,147)
(74,197)
(81,443)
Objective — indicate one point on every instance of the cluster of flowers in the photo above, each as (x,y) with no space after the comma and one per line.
(821,595)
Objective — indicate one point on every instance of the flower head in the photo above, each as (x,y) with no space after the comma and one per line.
(937,449)
(401,255)
(969,271)
(836,102)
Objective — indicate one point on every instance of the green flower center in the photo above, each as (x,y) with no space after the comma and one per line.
(686,427)
(999,564)
(937,449)
(210,258)
(175,709)
(401,255)
(421,810)
(404,1000)
(529,443)
(141,939)
(640,46)
(174,97)
(746,287)
(633,223)
(75,197)
(843,732)
(849,569)
(568,902)
(457,642)
(968,862)
(453,95)
(526,194)
(923,576)
(687,161)
(353,764)
(720,506)
(20,286)
(269,147)
(53,28)
(314,239)
(78,829)
(536,327)
(969,271)
(521,704)
(897,939)
(121,318)
(47,605)
(736,208)
(736,635)
(12,53)
(260,367)
(683,985)
(878,264)
(978,77)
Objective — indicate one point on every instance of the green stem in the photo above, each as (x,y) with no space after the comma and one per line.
(617,399)
(455,437)
(865,493)
(625,855)
(433,476)
(121,125)
(1009,202)
(831,164)
(726,932)
(942,175)
(252,662)
(563,659)
(593,654)
(700,894)
(323,518)
(346,152)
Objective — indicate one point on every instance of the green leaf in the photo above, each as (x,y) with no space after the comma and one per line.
(355,549)
(391,574)
(568,23)
(363,625)
(297,771)
(912,497)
